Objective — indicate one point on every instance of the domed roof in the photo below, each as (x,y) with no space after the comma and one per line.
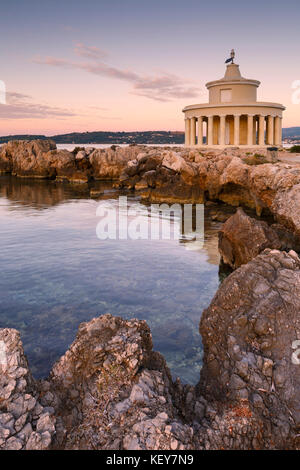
(233,76)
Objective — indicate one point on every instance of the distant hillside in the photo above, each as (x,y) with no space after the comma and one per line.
(21,137)
(148,137)
(291,132)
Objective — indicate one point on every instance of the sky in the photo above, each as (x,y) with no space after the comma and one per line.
(128,65)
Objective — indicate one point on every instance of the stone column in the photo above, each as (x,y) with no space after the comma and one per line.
(270,140)
(277,131)
(187,131)
(210,130)
(261,131)
(250,130)
(193,131)
(200,130)
(236,139)
(280,132)
(222,129)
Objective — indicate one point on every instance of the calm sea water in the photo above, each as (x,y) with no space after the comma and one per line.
(56,273)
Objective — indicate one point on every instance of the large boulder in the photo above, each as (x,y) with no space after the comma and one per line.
(28,158)
(113,392)
(177,163)
(109,163)
(70,168)
(24,422)
(251,357)
(241,238)
(163,176)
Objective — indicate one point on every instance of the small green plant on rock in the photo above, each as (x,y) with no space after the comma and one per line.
(256,159)
(295,149)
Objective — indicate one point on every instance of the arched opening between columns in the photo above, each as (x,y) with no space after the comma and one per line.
(205,124)
(229,130)
(216,130)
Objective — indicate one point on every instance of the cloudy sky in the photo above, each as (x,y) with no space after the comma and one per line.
(72,65)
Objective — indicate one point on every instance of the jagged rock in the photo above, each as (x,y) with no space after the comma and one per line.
(241,238)
(164,175)
(28,158)
(18,398)
(111,391)
(41,159)
(109,163)
(248,333)
(190,175)
(81,155)
(110,379)
(177,163)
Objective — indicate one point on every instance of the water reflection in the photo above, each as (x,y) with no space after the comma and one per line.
(56,273)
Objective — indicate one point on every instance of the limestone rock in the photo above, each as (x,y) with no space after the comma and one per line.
(110,380)
(242,238)
(18,398)
(248,332)
(109,163)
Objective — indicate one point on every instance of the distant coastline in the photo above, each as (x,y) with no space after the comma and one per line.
(290,134)
(148,137)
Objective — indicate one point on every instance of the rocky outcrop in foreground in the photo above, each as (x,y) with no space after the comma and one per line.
(248,334)
(24,422)
(111,391)
(241,238)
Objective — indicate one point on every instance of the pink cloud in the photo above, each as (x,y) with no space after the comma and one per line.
(91,52)
(20,106)
(164,87)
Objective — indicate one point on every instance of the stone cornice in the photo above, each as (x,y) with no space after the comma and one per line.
(234,105)
(243,81)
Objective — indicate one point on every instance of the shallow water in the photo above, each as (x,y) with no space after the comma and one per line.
(56,273)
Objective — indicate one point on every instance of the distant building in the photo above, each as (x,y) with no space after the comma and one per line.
(233,116)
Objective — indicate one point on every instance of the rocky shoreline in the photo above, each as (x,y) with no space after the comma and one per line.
(186,175)
(110,390)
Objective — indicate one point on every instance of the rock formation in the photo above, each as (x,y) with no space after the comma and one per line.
(165,175)
(111,391)
(41,159)
(24,422)
(248,334)
(192,176)
(242,238)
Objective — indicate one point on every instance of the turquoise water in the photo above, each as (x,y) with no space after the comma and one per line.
(56,273)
